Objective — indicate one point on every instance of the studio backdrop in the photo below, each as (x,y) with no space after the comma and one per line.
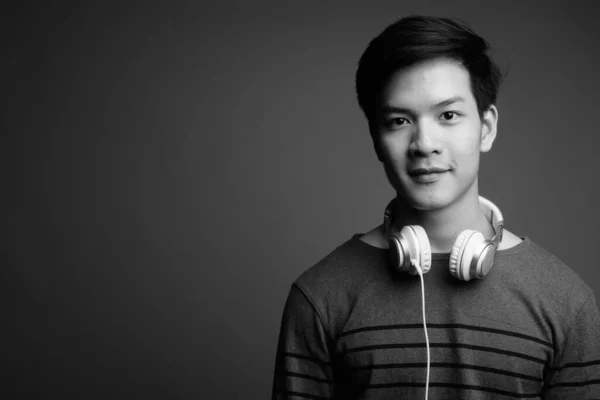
(169,168)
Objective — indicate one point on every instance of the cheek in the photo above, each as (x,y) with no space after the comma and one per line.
(469,143)
(468,161)
(465,156)
(394,148)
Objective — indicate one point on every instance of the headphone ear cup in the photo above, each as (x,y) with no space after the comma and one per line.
(419,248)
(465,248)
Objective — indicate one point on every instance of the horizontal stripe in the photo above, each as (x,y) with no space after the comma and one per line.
(448,326)
(449,365)
(444,345)
(308,377)
(577,365)
(455,386)
(571,384)
(307,358)
(305,395)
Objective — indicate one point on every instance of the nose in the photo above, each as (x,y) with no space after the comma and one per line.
(424,140)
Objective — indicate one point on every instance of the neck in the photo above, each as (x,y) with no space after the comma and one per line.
(444,225)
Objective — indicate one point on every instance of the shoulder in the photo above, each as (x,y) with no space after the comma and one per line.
(530,265)
(341,269)
(333,285)
(556,270)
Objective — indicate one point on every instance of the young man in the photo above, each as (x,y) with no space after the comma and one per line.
(353,324)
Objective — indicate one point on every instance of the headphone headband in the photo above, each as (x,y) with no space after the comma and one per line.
(493,215)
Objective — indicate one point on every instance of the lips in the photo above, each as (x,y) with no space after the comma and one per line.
(427,175)
(426,171)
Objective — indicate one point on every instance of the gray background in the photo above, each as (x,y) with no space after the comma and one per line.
(171,169)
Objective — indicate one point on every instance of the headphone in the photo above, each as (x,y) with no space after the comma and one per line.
(472,255)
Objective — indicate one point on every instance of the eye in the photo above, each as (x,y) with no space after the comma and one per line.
(449,115)
(397,121)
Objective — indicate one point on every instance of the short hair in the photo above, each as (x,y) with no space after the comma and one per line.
(415,39)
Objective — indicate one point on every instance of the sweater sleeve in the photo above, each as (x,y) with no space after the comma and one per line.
(576,370)
(303,368)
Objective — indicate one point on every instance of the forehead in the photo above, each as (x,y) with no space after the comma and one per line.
(427,83)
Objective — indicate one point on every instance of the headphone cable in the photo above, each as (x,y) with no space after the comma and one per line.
(420,272)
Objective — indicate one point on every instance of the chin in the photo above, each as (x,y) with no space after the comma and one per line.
(427,202)
(428,197)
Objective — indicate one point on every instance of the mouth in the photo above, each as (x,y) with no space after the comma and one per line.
(427,175)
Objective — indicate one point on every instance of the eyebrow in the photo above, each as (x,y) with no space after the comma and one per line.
(387,108)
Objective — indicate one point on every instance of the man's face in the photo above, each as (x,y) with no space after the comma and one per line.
(428,133)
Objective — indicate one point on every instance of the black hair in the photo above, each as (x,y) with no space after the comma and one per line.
(415,39)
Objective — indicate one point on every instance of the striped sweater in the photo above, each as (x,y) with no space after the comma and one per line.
(352,329)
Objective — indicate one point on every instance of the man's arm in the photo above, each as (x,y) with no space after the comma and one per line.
(576,370)
(303,367)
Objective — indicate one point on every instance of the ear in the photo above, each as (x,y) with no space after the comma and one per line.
(376,143)
(489,127)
